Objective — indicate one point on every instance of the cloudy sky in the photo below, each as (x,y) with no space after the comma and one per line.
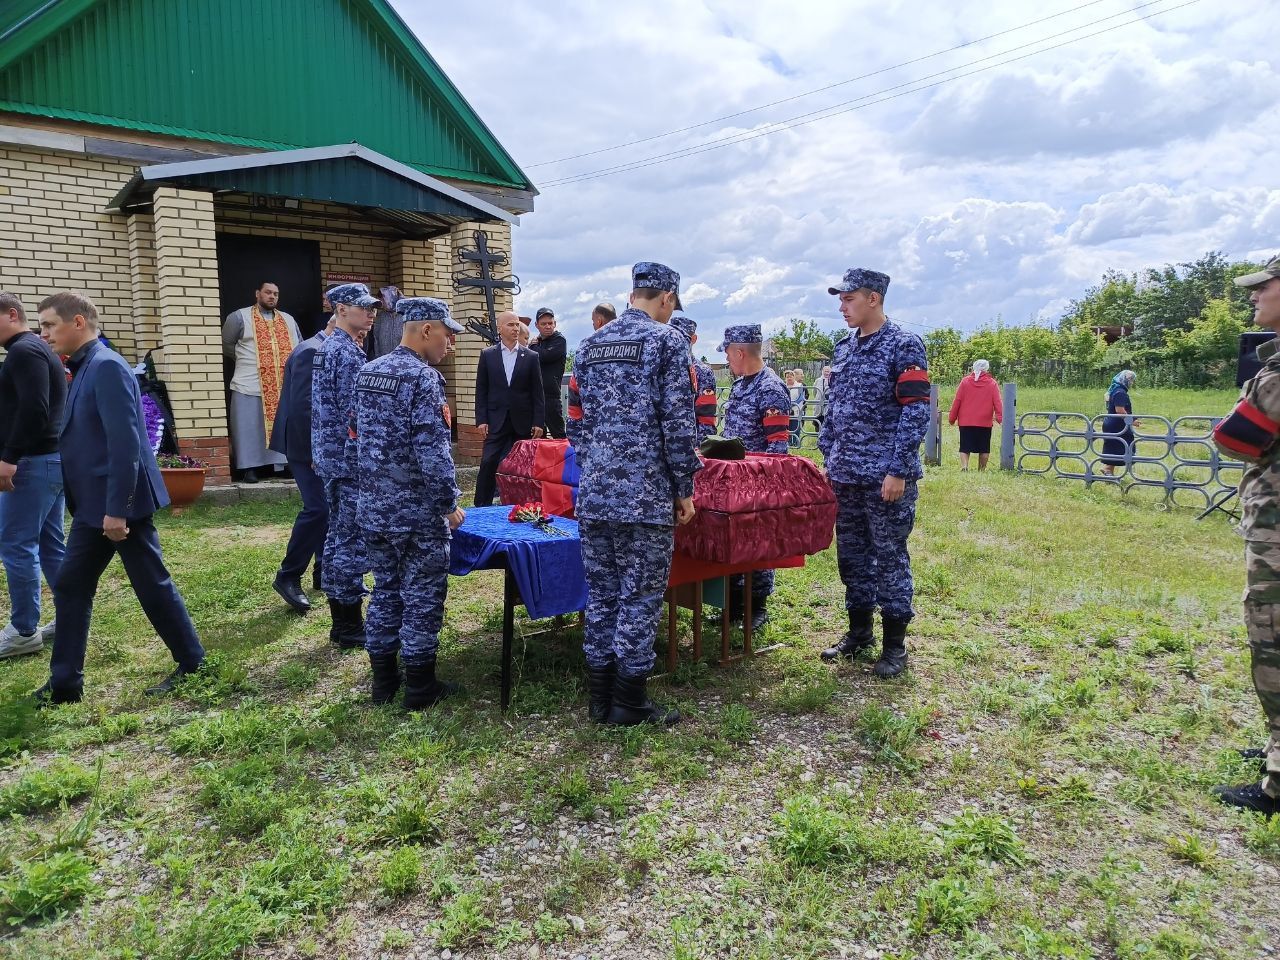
(1003,192)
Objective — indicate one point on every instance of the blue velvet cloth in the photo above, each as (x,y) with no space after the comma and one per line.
(547,568)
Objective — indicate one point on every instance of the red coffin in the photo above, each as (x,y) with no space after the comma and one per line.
(545,471)
(768,506)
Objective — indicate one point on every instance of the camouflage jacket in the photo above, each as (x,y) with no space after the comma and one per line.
(333,405)
(868,433)
(406,476)
(1249,434)
(757,411)
(704,401)
(631,421)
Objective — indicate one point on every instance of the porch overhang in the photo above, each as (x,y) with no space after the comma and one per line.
(388,193)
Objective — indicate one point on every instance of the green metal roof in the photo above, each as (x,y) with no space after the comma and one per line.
(268,74)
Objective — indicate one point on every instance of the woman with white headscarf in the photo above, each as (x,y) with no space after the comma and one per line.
(1118,424)
(976,405)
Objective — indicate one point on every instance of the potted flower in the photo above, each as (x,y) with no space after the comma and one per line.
(183,478)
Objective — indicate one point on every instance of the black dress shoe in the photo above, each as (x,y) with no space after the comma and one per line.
(49,696)
(1249,796)
(249,476)
(290,590)
(169,683)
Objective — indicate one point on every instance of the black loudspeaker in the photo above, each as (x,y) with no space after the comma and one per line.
(1248,364)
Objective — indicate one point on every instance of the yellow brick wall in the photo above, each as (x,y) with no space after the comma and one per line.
(55,236)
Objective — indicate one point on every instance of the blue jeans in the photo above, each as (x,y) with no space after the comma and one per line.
(31,535)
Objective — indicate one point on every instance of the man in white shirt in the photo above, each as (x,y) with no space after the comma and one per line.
(510,403)
(259,338)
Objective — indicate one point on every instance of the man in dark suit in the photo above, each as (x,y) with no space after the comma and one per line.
(291,436)
(552,350)
(113,487)
(510,403)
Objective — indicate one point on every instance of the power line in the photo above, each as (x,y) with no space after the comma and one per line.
(830,86)
(825,113)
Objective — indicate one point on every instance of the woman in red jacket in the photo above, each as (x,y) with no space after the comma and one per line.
(976,404)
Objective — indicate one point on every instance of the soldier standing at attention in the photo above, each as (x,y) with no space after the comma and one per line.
(631,422)
(757,412)
(1249,434)
(408,502)
(877,414)
(333,449)
(704,400)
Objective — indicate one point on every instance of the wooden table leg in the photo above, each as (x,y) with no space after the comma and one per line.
(697,622)
(746,613)
(672,654)
(724,624)
(508,632)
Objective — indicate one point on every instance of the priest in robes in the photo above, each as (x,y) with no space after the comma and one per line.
(259,338)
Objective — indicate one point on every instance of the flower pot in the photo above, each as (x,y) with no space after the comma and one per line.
(185,484)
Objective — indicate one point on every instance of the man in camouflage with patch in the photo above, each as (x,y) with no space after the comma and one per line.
(877,414)
(631,424)
(756,412)
(333,448)
(704,379)
(1249,433)
(408,505)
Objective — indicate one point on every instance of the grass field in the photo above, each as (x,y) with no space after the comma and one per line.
(1036,787)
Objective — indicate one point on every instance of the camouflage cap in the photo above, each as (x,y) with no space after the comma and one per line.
(429,310)
(1269,271)
(654,276)
(352,294)
(684,323)
(743,333)
(857,278)
(543,312)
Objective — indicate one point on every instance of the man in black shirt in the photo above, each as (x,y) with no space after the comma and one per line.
(552,349)
(33,393)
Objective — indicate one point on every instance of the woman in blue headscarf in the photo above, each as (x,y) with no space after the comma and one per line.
(1118,423)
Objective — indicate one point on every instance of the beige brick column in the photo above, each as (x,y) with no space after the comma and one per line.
(142,283)
(187,297)
(412,266)
(468,303)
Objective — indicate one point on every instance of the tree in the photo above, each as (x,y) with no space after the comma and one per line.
(804,341)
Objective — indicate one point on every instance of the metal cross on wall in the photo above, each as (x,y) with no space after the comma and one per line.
(488,282)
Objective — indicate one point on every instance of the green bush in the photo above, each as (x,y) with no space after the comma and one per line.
(42,889)
(401,873)
(984,835)
(812,835)
(949,905)
(61,782)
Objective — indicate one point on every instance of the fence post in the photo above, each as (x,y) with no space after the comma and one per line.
(933,436)
(1008,459)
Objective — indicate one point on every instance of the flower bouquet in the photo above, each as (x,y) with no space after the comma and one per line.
(532,512)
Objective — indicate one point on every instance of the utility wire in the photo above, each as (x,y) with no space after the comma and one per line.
(810,93)
(860,103)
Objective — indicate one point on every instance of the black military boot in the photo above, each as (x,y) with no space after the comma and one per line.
(632,706)
(290,591)
(315,576)
(893,649)
(860,637)
(759,613)
(422,689)
(386,677)
(1249,796)
(347,632)
(600,685)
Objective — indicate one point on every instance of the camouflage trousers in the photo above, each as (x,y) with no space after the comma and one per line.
(871,548)
(1262,620)
(761,583)
(627,567)
(345,560)
(410,581)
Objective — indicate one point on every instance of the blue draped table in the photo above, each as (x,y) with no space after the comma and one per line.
(543,570)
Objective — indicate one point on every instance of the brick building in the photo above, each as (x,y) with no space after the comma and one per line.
(160,156)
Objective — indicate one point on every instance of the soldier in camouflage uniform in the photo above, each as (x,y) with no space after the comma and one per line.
(756,412)
(877,414)
(631,424)
(408,502)
(333,448)
(1249,433)
(704,380)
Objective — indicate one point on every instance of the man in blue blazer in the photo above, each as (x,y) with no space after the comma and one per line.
(112,487)
(291,436)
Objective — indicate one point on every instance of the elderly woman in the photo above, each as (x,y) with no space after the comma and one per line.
(1118,423)
(976,405)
